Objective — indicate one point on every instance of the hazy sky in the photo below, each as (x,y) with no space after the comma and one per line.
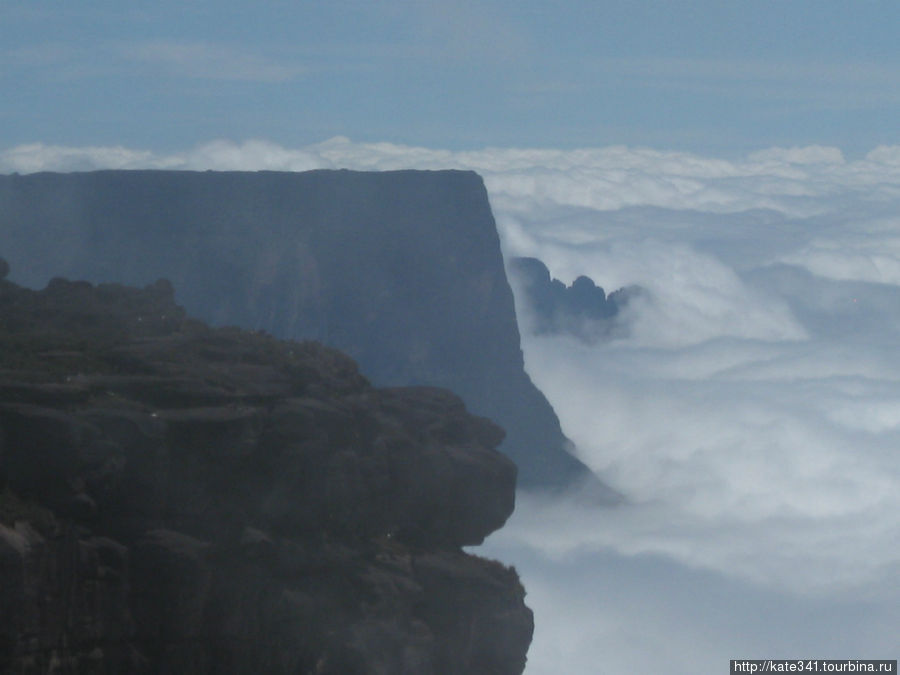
(738,159)
(713,76)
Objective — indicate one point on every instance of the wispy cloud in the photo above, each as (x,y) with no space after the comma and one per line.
(211,61)
(869,82)
(782,85)
(759,70)
(193,60)
(469,31)
(41,55)
(58,62)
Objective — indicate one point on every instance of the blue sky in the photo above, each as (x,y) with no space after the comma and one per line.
(715,77)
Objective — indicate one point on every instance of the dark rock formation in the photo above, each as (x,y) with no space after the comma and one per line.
(402,270)
(181,499)
(582,309)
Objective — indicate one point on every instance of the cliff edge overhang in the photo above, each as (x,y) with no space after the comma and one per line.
(181,498)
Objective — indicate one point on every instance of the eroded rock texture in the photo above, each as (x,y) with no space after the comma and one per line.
(181,499)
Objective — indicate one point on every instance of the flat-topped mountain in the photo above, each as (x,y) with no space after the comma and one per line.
(402,270)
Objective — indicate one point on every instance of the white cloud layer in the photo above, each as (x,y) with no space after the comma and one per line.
(751,415)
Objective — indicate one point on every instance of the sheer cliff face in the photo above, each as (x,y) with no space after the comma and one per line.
(175,498)
(402,270)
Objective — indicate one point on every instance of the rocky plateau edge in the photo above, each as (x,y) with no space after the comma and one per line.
(176,498)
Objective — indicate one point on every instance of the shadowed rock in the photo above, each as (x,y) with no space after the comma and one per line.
(402,270)
(582,309)
(178,498)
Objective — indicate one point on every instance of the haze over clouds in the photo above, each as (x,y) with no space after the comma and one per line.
(751,416)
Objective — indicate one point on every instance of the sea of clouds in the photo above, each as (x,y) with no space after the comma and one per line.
(749,412)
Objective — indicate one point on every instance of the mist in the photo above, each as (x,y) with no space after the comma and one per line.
(749,414)
(748,410)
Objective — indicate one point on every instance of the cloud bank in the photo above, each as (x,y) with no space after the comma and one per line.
(750,415)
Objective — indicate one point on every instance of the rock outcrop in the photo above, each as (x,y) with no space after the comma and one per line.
(176,498)
(402,270)
(581,309)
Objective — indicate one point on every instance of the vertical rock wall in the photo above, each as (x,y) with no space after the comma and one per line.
(402,270)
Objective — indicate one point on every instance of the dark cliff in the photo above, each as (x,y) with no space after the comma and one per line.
(402,270)
(181,499)
(582,309)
